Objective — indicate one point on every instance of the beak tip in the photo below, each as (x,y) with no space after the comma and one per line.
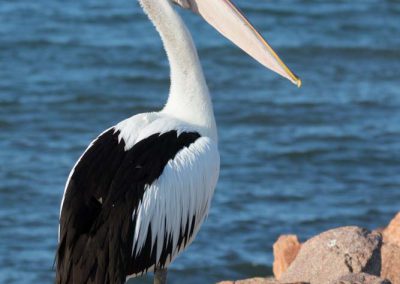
(295,80)
(298,83)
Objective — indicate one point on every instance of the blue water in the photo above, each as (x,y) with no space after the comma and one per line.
(293,160)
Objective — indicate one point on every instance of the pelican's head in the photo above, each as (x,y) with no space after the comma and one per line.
(230,22)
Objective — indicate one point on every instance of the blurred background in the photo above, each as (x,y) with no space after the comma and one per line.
(293,160)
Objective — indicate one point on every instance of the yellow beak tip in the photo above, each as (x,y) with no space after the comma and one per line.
(298,83)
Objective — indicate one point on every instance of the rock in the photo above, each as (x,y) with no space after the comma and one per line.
(392,233)
(391,262)
(286,249)
(335,253)
(360,278)
(257,280)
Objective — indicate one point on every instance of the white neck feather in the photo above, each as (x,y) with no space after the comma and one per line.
(189,99)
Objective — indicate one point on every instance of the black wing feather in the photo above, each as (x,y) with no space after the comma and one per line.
(96,226)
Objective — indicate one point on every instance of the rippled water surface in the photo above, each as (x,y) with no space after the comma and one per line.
(293,160)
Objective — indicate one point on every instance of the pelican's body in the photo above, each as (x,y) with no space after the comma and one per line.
(138,195)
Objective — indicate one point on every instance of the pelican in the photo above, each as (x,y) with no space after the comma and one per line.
(138,195)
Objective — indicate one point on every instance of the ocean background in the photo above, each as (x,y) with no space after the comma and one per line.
(293,160)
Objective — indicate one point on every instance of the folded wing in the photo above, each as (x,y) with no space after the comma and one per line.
(129,211)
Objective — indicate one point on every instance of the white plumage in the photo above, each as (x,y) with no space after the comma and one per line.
(185,188)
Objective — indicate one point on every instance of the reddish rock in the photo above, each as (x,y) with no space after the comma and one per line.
(286,249)
(257,280)
(360,278)
(335,253)
(392,233)
(391,262)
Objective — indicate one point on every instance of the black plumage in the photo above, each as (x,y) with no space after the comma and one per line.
(96,223)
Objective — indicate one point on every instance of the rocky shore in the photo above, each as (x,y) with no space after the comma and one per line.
(346,255)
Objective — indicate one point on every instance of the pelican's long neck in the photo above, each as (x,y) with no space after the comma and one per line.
(189,98)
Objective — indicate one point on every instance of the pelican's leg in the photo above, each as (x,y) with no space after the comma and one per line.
(160,276)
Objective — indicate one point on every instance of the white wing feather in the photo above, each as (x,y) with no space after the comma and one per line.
(184,190)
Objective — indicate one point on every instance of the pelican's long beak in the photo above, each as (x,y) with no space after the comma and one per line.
(231,23)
